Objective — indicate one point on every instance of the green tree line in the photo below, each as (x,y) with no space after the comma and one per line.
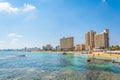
(114,47)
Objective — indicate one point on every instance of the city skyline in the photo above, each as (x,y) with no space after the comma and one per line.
(29,23)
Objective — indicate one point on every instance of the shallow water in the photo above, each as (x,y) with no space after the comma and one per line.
(54,66)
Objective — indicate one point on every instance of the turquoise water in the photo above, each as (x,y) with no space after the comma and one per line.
(54,66)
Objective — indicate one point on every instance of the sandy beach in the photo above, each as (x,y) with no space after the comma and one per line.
(102,54)
(95,54)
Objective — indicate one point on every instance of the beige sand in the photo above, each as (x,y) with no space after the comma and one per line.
(102,54)
(96,54)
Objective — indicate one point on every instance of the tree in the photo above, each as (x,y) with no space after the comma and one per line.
(102,47)
(116,47)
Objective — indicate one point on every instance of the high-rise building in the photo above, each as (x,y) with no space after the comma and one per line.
(89,40)
(102,39)
(67,43)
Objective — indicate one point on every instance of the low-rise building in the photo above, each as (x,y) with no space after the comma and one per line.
(47,47)
(33,49)
(58,48)
(80,47)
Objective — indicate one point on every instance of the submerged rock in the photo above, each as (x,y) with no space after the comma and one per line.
(64,53)
(98,61)
(88,60)
(15,56)
(115,62)
(21,56)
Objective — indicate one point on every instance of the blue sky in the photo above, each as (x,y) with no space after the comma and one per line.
(34,23)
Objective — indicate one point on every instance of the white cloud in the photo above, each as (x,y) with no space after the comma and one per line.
(14,35)
(28,7)
(7,7)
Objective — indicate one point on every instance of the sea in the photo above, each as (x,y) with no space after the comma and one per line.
(20,65)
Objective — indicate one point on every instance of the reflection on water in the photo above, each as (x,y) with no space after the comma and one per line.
(51,66)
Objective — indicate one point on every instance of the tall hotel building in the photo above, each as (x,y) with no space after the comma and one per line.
(67,43)
(89,40)
(102,39)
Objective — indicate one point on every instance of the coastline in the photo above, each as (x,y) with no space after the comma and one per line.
(93,54)
(69,52)
(103,54)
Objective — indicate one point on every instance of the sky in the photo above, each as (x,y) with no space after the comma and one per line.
(35,23)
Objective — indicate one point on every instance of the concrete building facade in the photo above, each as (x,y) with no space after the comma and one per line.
(102,40)
(67,43)
(80,47)
(90,40)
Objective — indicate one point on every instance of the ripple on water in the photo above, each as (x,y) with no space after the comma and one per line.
(62,74)
(48,66)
